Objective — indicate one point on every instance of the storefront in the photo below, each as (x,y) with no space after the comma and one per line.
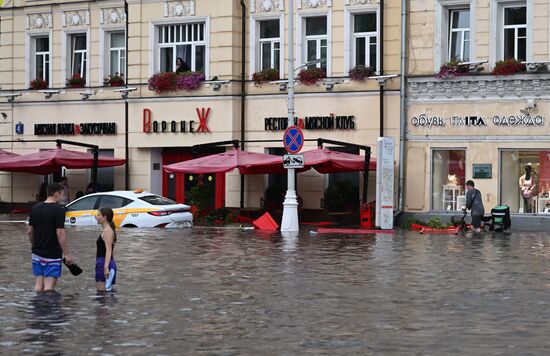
(490,140)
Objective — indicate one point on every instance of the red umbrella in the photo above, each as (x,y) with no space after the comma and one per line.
(246,162)
(328,161)
(7,154)
(49,161)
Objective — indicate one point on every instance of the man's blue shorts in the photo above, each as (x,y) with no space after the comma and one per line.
(47,267)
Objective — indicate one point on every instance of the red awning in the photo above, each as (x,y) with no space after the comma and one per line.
(246,162)
(328,161)
(7,154)
(49,161)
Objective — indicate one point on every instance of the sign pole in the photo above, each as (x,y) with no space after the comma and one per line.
(290,221)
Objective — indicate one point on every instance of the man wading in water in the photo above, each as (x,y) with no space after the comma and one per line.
(49,243)
(475,204)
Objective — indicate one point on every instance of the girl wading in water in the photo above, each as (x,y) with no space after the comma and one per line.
(105,243)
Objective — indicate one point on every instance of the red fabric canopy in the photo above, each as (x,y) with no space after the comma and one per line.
(246,162)
(327,161)
(7,154)
(49,161)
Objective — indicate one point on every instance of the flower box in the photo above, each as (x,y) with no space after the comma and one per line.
(508,67)
(453,69)
(76,81)
(311,76)
(116,80)
(163,82)
(38,83)
(360,73)
(266,75)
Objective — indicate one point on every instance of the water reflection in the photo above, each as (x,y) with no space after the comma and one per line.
(212,291)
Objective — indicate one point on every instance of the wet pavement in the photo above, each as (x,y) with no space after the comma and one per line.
(230,292)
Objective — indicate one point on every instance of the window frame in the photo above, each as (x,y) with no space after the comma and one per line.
(515,28)
(254,42)
(349,38)
(367,36)
(300,38)
(104,53)
(496,43)
(155,46)
(271,41)
(467,170)
(443,25)
(67,55)
(461,30)
(30,45)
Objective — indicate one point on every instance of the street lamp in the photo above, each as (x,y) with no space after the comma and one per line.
(290,221)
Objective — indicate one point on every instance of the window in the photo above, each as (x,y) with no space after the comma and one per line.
(515,33)
(459,34)
(365,39)
(41,58)
(79,54)
(316,41)
(117,53)
(113,202)
(185,41)
(448,174)
(523,192)
(87,203)
(157,200)
(269,45)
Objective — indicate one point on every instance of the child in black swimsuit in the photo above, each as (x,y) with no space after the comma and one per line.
(105,246)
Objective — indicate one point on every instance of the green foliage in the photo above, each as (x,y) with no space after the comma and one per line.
(266,75)
(199,196)
(218,215)
(411,220)
(341,196)
(436,223)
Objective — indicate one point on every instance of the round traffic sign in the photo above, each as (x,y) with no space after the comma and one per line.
(293,139)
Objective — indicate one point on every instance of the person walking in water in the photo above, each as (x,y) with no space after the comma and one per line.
(474,202)
(46,233)
(105,262)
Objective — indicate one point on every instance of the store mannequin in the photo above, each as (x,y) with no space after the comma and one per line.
(527,186)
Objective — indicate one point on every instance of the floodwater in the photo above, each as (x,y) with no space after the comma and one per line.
(229,292)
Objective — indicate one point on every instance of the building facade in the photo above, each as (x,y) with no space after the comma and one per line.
(57,41)
(479,126)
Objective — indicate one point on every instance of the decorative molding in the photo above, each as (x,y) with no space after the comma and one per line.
(478,88)
(179,8)
(112,16)
(313,4)
(267,5)
(38,21)
(361,2)
(75,18)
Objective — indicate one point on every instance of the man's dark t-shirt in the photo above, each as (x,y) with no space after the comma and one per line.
(46,218)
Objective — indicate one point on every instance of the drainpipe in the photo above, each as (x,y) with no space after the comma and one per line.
(381,87)
(403,107)
(126,120)
(243,89)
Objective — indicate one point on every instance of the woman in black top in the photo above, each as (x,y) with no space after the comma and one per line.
(105,245)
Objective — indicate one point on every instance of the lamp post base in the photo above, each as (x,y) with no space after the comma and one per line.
(290,212)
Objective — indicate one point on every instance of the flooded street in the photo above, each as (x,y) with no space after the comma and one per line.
(230,292)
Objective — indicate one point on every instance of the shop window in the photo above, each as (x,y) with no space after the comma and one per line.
(515,33)
(269,44)
(459,34)
(448,178)
(40,58)
(79,54)
(342,191)
(525,181)
(365,40)
(117,52)
(185,41)
(316,41)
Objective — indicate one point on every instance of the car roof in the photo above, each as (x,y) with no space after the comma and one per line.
(130,194)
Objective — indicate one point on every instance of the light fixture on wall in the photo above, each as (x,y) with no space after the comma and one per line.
(49,92)
(216,84)
(10,96)
(330,83)
(125,91)
(86,94)
(531,106)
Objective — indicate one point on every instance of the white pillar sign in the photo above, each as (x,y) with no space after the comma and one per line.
(385,182)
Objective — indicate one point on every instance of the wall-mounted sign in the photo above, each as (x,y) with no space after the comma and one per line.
(482,171)
(98,128)
(19,128)
(330,122)
(174,126)
(423,120)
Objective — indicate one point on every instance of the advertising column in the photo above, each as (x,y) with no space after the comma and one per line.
(384,183)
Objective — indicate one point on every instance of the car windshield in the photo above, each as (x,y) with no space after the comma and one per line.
(157,200)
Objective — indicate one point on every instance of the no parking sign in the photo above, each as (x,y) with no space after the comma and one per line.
(293,139)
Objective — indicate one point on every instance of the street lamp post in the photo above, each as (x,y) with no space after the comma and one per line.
(290,206)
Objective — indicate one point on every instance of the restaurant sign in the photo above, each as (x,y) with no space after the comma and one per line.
(150,125)
(96,128)
(330,122)
(423,120)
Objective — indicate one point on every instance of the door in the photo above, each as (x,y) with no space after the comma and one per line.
(82,212)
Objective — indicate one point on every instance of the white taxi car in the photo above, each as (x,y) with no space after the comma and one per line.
(131,209)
